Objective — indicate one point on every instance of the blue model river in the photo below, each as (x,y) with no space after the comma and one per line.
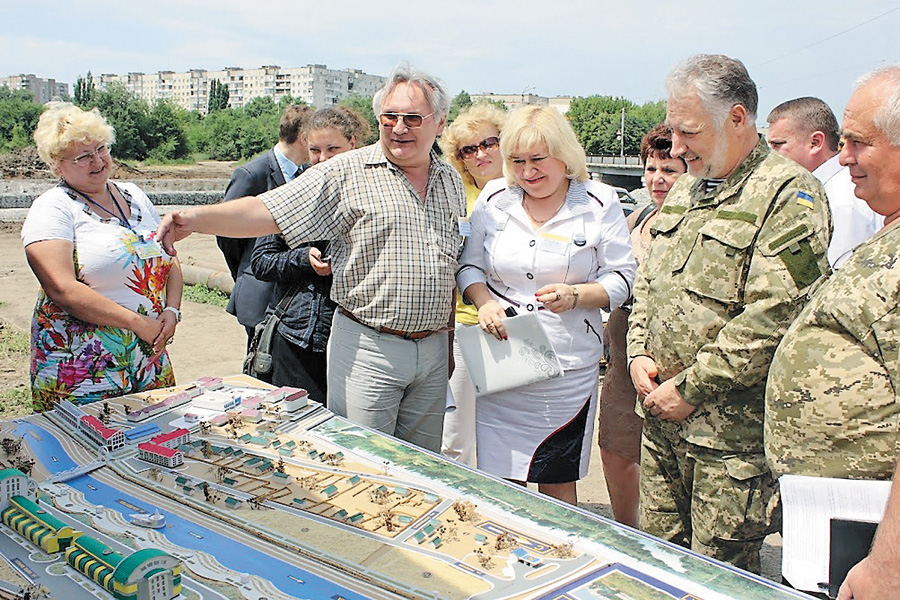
(230,553)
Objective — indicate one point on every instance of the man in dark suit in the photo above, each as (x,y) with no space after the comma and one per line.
(281,164)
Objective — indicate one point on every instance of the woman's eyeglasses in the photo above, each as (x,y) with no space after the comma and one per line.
(412,121)
(87,157)
(484,145)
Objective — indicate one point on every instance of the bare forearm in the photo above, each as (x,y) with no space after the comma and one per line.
(887,543)
(478,294)
(174,285)
(591,295)
(242,218)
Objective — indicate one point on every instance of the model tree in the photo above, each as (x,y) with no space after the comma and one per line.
(465,510)
(24,464)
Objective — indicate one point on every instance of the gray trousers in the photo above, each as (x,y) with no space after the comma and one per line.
(385,382)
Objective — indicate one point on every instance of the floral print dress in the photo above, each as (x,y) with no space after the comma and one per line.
(78,361)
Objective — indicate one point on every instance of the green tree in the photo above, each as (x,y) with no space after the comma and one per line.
(262,106)
(19,115)
(496,103)
(363,105)
(84,90)
(597,121)
(130,117)
(219,136)
(141,132)
(459,103)
(286,100)
(167,137)
(218,96)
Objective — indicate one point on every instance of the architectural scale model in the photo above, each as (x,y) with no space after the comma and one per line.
(229,489)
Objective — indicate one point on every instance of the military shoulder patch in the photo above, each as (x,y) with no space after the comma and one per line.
(806,200)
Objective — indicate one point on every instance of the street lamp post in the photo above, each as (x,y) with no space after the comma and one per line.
(622,134)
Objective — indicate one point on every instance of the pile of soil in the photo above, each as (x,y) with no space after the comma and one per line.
(27,164)
(206,169)
(24,164)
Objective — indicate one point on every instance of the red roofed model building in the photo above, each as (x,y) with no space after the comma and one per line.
(100,434)
(172,439)
(160,455)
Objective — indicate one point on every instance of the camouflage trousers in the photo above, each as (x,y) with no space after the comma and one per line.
(717,503)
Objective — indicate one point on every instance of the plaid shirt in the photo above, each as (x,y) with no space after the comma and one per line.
(393,256)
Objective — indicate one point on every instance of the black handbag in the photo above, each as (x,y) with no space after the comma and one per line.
(259,356)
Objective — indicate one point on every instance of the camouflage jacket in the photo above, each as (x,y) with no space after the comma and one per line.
(725,275)
(832,403)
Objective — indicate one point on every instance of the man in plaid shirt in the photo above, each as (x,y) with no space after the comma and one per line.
(392,213)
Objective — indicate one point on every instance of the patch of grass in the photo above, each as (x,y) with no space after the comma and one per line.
(15,348)
(13,341)
(201,294)
(15,403)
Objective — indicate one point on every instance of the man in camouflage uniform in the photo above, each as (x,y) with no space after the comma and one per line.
(833,396)
(737,245)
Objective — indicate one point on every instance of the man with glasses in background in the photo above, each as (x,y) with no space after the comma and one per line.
(392,212)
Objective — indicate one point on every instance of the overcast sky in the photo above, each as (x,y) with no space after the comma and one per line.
(568,47)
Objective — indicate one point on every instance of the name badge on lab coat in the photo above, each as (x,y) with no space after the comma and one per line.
(555,244)
(465,228)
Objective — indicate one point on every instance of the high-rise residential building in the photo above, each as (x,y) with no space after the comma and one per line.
(514,101)
(43,90)
(317,85)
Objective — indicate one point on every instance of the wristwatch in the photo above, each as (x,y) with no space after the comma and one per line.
(175,312)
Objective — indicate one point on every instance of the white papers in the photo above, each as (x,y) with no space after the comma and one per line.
(496,365)
(809,504)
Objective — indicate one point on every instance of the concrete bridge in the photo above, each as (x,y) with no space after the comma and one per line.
(618,171)
(64,476)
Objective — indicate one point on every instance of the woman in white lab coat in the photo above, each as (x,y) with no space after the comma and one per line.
(550,241)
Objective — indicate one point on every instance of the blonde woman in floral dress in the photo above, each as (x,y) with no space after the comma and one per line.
(110,295)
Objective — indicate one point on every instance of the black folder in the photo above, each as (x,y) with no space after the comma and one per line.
(850,543)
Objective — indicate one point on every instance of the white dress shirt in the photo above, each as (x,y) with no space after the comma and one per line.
(852,220)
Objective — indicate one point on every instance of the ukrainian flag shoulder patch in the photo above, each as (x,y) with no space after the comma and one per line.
(806,200)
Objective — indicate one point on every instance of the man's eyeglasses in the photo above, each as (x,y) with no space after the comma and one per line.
(484,145)
(412,121)
(88,156)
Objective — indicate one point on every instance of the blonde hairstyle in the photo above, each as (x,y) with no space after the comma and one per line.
(63,124)
(530,126)
(466,125)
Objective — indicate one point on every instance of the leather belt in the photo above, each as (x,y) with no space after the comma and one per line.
(415,335)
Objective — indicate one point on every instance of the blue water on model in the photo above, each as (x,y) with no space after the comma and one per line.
(230,553)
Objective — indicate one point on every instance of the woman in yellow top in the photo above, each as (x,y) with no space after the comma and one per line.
(472,145)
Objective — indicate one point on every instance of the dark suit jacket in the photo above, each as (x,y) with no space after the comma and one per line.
(250,296)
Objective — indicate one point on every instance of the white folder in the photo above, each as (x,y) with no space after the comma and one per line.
(496,365)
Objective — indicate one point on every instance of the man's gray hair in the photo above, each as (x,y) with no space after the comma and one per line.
(887,116)
(432,87)
(719,81)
